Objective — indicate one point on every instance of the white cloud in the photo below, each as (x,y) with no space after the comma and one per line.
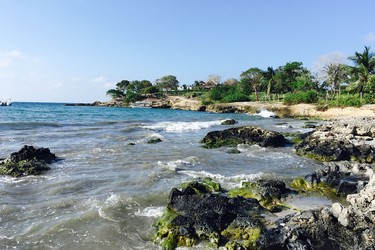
(370,37)
(99,79)
(9,58)
(108,85)
(14,54)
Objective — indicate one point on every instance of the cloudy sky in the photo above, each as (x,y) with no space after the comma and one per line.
(75,50)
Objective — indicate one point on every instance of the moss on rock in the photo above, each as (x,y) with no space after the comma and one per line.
(323,188)
(268,197)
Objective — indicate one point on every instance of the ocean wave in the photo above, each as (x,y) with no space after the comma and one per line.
(182,126)
(150,212)
(110,209)
(228,181)
(179,164)
(265,113)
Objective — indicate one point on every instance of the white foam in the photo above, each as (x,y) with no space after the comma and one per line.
(229,181)
(182,126)
(179,164)
(150,212)
(265,113)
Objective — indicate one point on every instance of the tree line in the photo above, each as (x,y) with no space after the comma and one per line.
(293,83)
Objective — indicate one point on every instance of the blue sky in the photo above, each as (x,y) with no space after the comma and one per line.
(75,50)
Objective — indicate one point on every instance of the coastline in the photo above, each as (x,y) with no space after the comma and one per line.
(280,109)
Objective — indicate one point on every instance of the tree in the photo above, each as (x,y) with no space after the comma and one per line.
(332,70)
(115,94)
(269,77)
(286,75)
(214,79)
(167,83)
(121,86)
(231,82)
(364,66)
(198,85)
(254,76)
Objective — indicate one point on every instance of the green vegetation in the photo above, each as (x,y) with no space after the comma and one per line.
(23,168)
(251,190)
(334,84)
(323,188)
(310,96)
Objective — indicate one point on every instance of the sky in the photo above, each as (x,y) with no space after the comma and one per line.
(75,50)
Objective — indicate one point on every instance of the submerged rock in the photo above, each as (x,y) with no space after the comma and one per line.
(243,135)
(153,141)
(229,122)
(27,161)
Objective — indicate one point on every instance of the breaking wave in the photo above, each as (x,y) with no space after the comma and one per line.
(182,126)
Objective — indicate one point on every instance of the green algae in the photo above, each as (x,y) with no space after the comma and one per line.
(23,168)
(251,190)
(165,235)
(231,142)
(206,183)
(241,237)
(323,188)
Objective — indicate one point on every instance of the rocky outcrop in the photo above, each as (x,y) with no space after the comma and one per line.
(27,161)
(243,135)
(336,178)
(340,140)
(200,211)
(337,227)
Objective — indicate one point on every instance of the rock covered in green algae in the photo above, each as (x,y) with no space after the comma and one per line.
(27,161)
(335,179)
(243,135)
(268,192)
(198,211)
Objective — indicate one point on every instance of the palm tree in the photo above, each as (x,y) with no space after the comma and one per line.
(364,67)
(269,76)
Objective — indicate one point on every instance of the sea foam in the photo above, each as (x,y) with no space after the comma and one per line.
(150,212)
(182,126)
(266,114)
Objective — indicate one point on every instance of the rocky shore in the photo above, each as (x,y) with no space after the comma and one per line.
(281,110)
(202,211)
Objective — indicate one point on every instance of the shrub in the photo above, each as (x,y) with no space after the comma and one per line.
(347,101)
(236,97)
(301,97)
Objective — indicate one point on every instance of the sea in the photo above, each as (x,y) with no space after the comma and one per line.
(109,185)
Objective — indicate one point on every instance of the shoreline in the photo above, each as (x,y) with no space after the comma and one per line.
(280,109)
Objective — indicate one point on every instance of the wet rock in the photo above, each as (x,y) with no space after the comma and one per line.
(336,178)
(198,212)
(30,153)
(229,122)
(153,141)
(340,140)
(27,161)
(243,135)
(268,192)
(337,227)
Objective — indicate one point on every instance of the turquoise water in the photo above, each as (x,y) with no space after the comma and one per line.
(105,193)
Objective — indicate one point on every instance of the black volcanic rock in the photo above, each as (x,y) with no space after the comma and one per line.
(243,135)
